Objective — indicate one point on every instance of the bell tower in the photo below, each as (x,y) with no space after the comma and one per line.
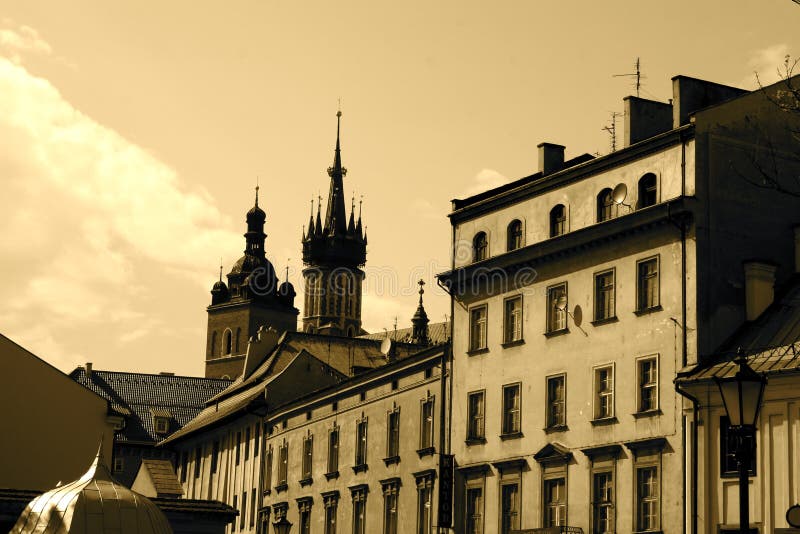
(334,253)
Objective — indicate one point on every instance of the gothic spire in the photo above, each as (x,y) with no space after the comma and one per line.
(420,320)
(335,218)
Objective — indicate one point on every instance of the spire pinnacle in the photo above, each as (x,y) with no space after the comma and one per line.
(421,284)
(256,191)
(220,269)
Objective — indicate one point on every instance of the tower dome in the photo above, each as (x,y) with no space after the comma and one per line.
(95,503)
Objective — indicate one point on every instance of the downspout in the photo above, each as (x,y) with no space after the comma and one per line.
(694,466)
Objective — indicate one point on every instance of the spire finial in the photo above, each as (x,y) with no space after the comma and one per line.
(220,269)
(257,187)
(287,268)
(421,284)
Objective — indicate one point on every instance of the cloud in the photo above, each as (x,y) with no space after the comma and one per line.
(18,39)
(485,179)
(765,65)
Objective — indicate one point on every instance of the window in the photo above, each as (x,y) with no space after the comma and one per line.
(648,190)
(361,442)
(604,392)
(308,456)
(243,515)
(509,507)
(119,464)
(606,207)
(555,502)
(475,414)
(647,496)
(426,424)
(331,501)
(480,247)
(558,220)
(267,469)
(246,443)
(393,433)
(514,235)
(161,425)
(214,352)
(198,458)
(304,509)
(474,510)
(727,447)
(557,308)
(647,373)
(333,450)
(477,328)
(390,491)
(604,306)
(359,509)
(424,503)
(511,409)
(647,290)
(283,463)
(227,343)
(556,401)
(602,502)
(512,320)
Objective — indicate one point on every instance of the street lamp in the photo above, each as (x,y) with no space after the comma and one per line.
(282,526)
(741,395)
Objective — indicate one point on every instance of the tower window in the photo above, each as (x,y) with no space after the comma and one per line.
(227,343)
(480,247)
(214,353)
(558,220)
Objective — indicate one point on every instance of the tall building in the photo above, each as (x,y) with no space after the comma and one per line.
(334,252)
(251,298)
(582,290)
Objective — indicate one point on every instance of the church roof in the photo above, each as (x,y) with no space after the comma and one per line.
(437,333)
(143,395)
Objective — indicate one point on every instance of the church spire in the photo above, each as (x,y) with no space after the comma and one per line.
(420,320)
(335,219)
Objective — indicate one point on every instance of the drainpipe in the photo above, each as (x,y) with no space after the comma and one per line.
(694,467)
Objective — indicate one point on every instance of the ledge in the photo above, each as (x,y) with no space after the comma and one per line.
(426,451)
(359,487)
(647,413)
(330,494)
(281,487)
(612,450)
(331,475)
(389,460)
(515,343)
(474,441)
(511,435)
(647,444)
(605,421)
(480,467)
(607,320)
(306,482)
(360,468)
(556,333)
(425,473)
(648,311)
(555,428)
(475,352)
(511,464)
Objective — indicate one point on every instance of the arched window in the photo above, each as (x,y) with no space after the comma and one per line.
(214,344)
(480,247)
(514,235)
(227,343)
(648,190)
(558,220)
(606,208)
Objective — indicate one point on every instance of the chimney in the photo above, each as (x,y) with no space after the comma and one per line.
(551,158)
(690,95)
(759,287)
(645,118)
(797,248)
(89,369)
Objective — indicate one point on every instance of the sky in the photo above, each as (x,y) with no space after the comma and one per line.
(132,135)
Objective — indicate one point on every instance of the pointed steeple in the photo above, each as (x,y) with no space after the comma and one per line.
(310,223)
(420,320)
(335,218)
(358,224)
(318,227)
(351,226)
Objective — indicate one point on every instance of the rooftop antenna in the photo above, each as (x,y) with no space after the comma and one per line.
(637,75)
(220,269)
(612,130)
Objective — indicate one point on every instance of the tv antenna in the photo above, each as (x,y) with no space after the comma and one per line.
(637,75)
(612,130)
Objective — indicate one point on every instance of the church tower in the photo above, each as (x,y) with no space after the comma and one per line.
(251,298)
(334,252)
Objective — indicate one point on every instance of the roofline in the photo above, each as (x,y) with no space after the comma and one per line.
(81,367)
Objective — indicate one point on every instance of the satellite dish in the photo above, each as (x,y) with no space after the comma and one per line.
(561,303)
(386,346)
(577,316)
(619,194)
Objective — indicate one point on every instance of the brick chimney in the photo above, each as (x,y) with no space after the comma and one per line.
(759,287)
(551,158)
(89,369)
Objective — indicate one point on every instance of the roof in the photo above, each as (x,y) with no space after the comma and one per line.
(437,333)
(163,477)
(771,342)
(142,395)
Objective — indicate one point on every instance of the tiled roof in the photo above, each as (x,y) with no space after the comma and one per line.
(163,477)
(437,332)
(143,395)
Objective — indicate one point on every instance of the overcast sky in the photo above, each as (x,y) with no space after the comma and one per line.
(132,135)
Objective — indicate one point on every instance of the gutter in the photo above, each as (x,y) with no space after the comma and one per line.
(694,465)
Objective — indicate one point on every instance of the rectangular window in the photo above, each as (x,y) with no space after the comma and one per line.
(333,450)
(475,424)
(474,510)
(555,502)
(426,424)
(647,286)
(247,443)
(557,308)
(512,320)
(477,328)
(647,495)
(390,491)
(119,464)
(603,502)
(647,372)
(604,392)
(308,456)
(509,508)
(268,468)
(243,515)
(359,511)
(198,457)
(283,463)
(511,409)
(393,434)
(361,443)
(331,507)
(604,307)
(214,456)
(424,504)
(556,401)
(304,509)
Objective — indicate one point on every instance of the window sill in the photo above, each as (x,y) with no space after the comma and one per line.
(475,352)
(648,531)
(555,428)
(306,482)
(511,435)
(360,468)
(648,413)
(475,441)
(607,320)
(556,333)
(647,311)
(513,343)
(331,475)
(426,451)
(391,460)
(604,421)
(281,487)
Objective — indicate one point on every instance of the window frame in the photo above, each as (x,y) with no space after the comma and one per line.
(507,481)
(476,345)
(425,486)
(480,246)
(334,440)
(606,211)
(513,320)
(642,190)
(550,422)
(307,462)
(431,427)
(552,319)
(391,494)
(506,411)
(283,465)
(514,235)
(597,295)
(470,485)
(640,386)
(598,394)
(547,505)
(558,224)
(331,504)
(360,458)
(393,433)
(359,499)
(482,417)
(641,305)
(609,504)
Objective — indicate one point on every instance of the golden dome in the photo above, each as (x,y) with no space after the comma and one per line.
(95,503)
